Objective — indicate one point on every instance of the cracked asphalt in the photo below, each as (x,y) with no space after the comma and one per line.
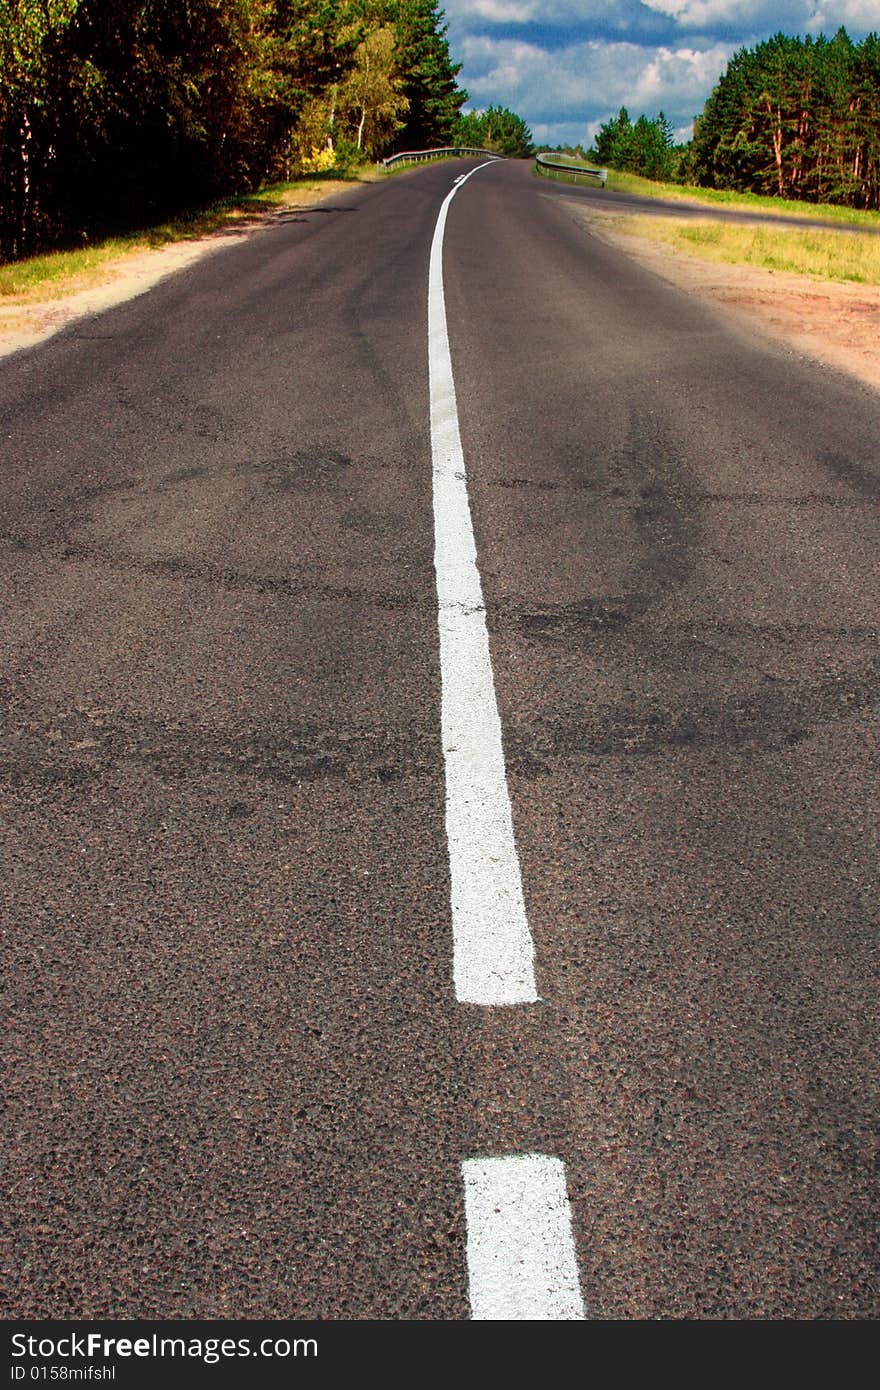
(237,1082)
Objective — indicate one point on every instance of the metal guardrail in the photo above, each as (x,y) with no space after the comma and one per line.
(416,156)
(600,174)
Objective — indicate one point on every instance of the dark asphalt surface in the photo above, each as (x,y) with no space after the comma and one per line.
(237,1081)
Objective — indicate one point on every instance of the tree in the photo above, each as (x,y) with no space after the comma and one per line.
(798,118)
(646,150)
(370,98)
(496,129)
(615,130)
(26,29)
(116,114)
(645,147)
(156,105)
(429,74)
(508,133)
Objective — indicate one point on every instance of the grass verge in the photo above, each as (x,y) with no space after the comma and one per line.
(740,202)
(822,254)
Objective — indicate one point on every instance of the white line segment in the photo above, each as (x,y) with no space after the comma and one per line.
(493,953)
(520,1247)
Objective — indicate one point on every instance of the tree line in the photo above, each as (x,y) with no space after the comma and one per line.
(496,129)
(792,117)
(113,115)
(645,146)
(799,118)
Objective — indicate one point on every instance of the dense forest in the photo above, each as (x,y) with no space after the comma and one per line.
(115,114)
(799,118)
(796,118)
(495,129)
(645,146)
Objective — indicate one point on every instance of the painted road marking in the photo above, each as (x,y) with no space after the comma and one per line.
(520,1246)
(493,952)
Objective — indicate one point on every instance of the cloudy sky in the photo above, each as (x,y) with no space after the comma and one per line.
(567,65)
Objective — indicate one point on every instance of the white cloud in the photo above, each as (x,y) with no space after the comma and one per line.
(674,75)
(500,11)
(765,17)
(746,19)
(545,12)
(647,55)
(586,82)
(858,15)
(708,14)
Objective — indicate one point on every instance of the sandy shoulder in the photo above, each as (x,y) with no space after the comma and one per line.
(835,323)
(29,322)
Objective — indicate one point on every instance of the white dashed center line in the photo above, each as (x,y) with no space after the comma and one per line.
(493,954)
(520,1247)
(521,1260)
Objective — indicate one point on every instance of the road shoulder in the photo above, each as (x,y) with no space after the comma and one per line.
(835,323)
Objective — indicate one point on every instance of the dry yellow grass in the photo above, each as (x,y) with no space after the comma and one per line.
(826,255)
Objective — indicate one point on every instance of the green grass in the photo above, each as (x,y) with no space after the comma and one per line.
(743,202)
(755,202)
(826,255)
(65,271)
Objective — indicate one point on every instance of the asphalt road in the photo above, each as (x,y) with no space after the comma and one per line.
(238,1080)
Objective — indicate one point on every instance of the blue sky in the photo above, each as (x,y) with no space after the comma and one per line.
(567,65)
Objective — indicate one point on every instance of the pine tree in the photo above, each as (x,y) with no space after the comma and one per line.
(496,129)
(429,74)
(642,148)
(797,118)
(617,129)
